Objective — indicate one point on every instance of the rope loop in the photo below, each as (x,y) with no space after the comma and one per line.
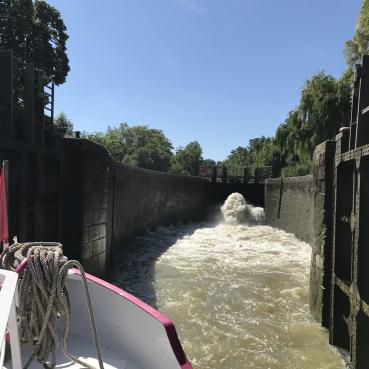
(44,297)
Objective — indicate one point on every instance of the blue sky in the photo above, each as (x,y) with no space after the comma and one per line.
(217,71)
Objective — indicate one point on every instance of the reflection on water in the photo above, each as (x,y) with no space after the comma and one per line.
(238,294)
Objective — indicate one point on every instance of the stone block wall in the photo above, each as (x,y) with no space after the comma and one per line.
(95,213)
(86,204)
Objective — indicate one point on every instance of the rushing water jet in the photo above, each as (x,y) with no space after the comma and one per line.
(236,210)
(238,293)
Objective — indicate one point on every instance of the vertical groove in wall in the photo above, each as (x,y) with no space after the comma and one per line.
(60,200)
(280,198)
(112,209)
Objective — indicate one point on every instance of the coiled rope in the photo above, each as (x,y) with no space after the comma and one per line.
(44,297)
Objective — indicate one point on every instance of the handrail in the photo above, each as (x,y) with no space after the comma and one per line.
(8,318)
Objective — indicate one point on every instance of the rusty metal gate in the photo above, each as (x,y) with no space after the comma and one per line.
(349,312)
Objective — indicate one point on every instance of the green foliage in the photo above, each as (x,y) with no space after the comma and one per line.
(208,162)
(359,44)
(324,108)
(138,146)
(260,152)
(65,124)
(148,148)
(36,33)
(187,160)
(238,157)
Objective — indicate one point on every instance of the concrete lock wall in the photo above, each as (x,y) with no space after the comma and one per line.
(108,202)
(289,205)
(321,256)
(144,199)
(73,192)
(33,191)
(303,206)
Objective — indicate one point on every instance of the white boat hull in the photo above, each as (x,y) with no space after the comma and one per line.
(132,335)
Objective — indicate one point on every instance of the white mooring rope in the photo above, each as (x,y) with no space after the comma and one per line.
(43,297)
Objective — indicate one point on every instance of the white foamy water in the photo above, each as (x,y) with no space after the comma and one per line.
(238,293)
(236,210)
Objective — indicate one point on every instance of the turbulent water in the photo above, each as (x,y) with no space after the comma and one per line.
(237,291)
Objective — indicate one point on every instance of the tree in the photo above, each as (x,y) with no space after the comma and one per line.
(176,166)
(359,44)
(205,166)
(186,161)
(208,162)
(324,108)
(261,152)
(65,124)
(36,33)
(138,146)
(238,157)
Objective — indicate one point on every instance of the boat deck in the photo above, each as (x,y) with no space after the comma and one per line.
(83,349)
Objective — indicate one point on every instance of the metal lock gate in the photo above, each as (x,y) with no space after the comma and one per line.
(349,308)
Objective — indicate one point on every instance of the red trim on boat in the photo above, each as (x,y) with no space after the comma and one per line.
(167,323)
(22,266)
